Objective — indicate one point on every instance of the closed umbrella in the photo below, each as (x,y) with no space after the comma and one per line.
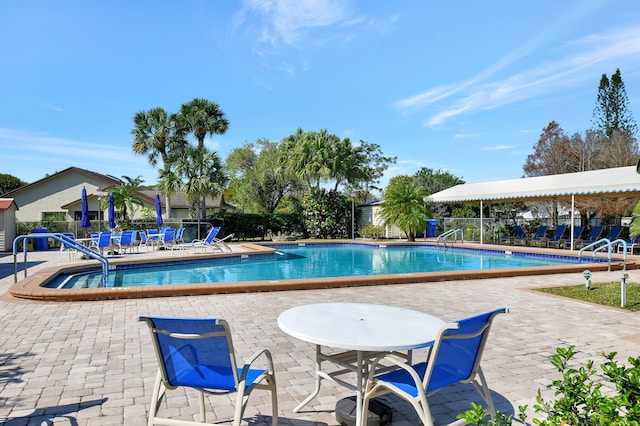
(111,212)
(158,211)
(84,220)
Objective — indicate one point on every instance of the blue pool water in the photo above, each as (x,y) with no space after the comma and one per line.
(311,261)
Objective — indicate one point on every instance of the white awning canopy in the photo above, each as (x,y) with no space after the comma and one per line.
(615,182)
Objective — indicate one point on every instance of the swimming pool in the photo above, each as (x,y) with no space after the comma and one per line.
(299,266)
(310,261)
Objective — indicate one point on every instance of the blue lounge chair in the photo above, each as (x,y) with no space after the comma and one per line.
(520,236)
(198,353)
(562,243)
(210,242)
(556,237)
(167,238)
(632,243)
(454,358)
(539,236)
(593,236)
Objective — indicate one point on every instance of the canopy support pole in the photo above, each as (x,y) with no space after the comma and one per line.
(481,224)
(573,212)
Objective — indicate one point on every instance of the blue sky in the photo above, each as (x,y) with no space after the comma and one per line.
(462,86)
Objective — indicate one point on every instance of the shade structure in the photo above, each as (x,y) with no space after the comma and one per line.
(111,212)
(84,220)
(158,211)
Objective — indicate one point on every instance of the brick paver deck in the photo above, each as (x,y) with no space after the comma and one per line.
(91,363)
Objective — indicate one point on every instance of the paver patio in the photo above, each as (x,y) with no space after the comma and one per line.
(91,363)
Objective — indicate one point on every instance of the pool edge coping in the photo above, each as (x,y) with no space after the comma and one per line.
(30,288)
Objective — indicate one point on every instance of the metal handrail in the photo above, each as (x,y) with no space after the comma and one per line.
(449,233)
(64,239)
(602,244)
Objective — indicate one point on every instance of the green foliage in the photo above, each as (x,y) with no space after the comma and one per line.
(9,183)
(403,205)
(580,400)
(612,107)
(477,416)
(375,232)
(327,214)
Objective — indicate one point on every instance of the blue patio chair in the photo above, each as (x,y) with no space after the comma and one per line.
(167,238)
(539,236)
(198,353)
(178,237)
(153,237)
(102,242)
(68,247)
(632,244)
(454,358)
(520,236)
(593,236)
(125,241)
(562,242)
(556,237)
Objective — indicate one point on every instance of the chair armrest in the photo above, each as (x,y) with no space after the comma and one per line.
(247,366)
(397,361)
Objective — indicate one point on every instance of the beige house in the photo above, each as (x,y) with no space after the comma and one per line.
(57,197)
(8,209)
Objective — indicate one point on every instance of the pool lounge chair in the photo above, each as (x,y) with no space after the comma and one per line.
(632,244)
(125,242)
(539,236)
(562,242)
(593,236)
(454,358)
(556,237)
(198,353)
(210,242)
(520,236)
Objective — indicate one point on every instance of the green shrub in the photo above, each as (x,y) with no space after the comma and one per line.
(580,399)
(375,232)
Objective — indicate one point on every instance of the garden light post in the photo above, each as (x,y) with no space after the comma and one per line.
(587,277)
(623,290)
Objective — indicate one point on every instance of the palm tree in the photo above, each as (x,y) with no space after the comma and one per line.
(403,205)
(124,195)
(200,174)
(157,135)
(202,117)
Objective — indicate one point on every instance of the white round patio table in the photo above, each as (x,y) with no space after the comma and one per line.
(363,328)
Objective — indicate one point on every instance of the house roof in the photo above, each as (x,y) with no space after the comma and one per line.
(5,203)
(108,180)
(612,183)
(179,200)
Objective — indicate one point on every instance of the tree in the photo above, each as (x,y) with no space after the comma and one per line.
(157,135)
(552,154)
(255,182)
(124,196)
(403,205)
(9,183)
(202,117)
(198,174)
(612,107)
(436,181)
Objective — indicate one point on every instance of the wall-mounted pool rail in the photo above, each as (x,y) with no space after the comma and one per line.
(603,244)
(448,234)
(67,241)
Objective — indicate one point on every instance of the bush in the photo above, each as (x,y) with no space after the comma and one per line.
(375,232)
(580,399)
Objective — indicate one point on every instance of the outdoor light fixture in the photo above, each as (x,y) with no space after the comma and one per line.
(587,277)
(623,290)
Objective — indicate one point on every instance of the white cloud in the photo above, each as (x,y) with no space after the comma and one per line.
(498,147)
(583,60)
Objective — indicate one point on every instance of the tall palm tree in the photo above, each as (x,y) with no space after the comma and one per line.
(157,135)
(200,173)
(202,117)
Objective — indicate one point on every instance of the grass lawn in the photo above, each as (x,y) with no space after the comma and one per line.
(607,294)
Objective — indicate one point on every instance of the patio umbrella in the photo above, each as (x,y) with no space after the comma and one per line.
(158,210)
(111,212)
(84,220)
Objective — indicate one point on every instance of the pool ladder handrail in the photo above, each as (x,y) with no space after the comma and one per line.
(602,244)
(449,233)
(69,242)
